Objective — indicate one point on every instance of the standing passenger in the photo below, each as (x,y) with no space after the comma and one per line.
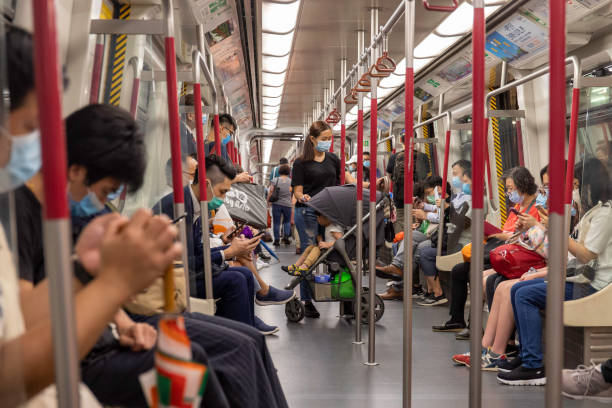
(283,206)
(314,170)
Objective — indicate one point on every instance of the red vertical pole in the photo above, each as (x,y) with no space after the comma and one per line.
(555,292)
(571,153)
(478,167)
(445,170)
(97,70)
(486,156)
(342,153)
(55,211)
(173,119)
(373,144)
(197,106)
(331,148)
(217,137)
(360,154)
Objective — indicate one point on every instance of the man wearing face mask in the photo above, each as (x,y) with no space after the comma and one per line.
(227,127)
(234,286)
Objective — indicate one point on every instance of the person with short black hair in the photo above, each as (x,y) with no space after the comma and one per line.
(227,128)
(275,171)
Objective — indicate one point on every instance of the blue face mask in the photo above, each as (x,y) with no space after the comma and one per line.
(541,200)
(116,194)
(466,188)
(456,182)
(226,140)
(366,163)
(323,146)
(215,202)
(25,161)
(88,206)
(515,197)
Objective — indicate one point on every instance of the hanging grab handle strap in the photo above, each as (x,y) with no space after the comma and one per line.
(364,81)
(446,9)
(385,63)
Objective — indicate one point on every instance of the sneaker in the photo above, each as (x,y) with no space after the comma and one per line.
(417,292)
(463,334)
(276,243)
(586,383)
(509,365)
(523,376)
(260,264)
(263,328)
(275,297)
(512,350)
(287,241)
(449,327)
(264,257)
(490,362)
(311,311)
(464,359)
(289,269)
(433,300)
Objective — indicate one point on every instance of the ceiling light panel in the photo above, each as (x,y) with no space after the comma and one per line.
(433,45)
(270,109)
(274,64)
(270,116)
(276,44)
(279,17)
(268,127)
(272,92)
(271,101)
(273,79)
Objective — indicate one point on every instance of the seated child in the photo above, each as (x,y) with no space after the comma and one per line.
(312,253)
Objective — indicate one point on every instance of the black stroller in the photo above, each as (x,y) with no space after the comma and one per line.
(338,204)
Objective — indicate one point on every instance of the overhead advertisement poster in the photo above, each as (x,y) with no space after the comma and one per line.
(517,38)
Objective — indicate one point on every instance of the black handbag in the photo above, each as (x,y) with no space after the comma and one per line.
(275,193)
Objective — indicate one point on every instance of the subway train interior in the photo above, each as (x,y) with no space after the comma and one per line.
(334,269)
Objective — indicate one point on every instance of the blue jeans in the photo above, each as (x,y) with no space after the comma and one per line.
(308,228)
(235,289)
(528,298)
(277,212)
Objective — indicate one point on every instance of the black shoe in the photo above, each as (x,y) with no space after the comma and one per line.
(512,350)
(509,365)
(276,243)
(311,311)
(433,300)
(264,257)
(449,327)
(287,241)
(417,292)
(523,376)
(463,334)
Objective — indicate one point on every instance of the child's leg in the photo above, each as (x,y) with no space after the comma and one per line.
(302,257)
(312,257)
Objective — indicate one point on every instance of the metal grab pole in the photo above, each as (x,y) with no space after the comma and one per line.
(136,64)
(556,261)
(199,65)
(342,122)
(444,181)
(56,227)
(408,185)
(372,221)
(96,75)
(571,153)
(175,138)
(211,68)
(360,41)
(478,142)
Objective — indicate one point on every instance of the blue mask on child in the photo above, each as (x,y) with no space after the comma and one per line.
(366,163)
(88,206)
(115,194)
(323,146)
(515,197)
(26,160)
(226,140)
(466,188)
(456,182)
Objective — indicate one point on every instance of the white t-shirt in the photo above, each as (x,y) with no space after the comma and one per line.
(599,241)
(330,229)
(12,326)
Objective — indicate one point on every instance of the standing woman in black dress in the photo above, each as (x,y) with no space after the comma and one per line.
(314,170)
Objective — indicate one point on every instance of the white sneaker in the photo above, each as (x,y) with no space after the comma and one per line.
(261,264)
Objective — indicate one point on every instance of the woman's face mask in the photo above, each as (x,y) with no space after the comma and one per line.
(323,146)
(431,199)
(542,199)
(515,197)
(226,140)
(466,188)
(24,163)
(366,163)
(215,202)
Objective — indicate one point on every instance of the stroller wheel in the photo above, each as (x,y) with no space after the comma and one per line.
(379,308)
(294,310)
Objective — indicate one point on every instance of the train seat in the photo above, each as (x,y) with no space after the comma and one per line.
(588,328)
